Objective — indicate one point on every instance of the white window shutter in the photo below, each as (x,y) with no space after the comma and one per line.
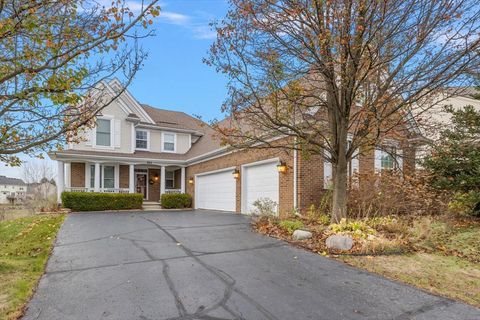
(117,135)
(400,159)
(378,160)
(327,172)
(355,162)
(89,136)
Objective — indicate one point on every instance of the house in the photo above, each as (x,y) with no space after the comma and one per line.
(138,148)
(41,190)
(12,190)
(434,119)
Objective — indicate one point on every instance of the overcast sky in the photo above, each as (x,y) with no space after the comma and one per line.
(174,76)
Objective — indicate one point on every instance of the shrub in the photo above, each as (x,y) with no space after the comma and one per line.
(317,215)
(95,201)
(356,227)
(291,225)
(264,207)
(391,193)
(465,203)
(176,200)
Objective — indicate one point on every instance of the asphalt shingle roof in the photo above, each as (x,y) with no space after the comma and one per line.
(11,181)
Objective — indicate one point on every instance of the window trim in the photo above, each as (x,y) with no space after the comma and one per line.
(112,132)
(148,139)
(174,142)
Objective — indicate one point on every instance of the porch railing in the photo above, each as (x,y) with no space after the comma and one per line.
(103,190)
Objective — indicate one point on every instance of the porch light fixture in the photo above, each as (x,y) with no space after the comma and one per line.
(281,167)
(155,177)
(236,174)
(190,181)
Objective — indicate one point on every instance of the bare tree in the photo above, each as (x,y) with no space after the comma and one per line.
(54,55)
(323,71)
(38,171)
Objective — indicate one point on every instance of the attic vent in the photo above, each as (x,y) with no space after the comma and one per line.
(166,122)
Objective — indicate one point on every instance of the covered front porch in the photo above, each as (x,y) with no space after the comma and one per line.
(149,179)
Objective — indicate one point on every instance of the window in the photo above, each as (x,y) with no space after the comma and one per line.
(141,139)
(169,142)
(387,161)
(92,176)
(169,180)
(108,177)
(103,132)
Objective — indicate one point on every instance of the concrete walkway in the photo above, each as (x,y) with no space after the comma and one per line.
(210,265)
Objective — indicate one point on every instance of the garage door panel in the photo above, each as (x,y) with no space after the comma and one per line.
(216,191)
(260,181)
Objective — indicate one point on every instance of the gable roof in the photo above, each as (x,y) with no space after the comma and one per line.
(11,181)
(207,141)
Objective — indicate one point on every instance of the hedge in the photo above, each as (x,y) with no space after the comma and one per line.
(97,201)
(176,200)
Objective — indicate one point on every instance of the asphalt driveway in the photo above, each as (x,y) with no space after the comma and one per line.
(210,265)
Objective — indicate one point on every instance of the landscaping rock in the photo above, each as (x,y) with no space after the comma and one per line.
(339,242)
(301,235)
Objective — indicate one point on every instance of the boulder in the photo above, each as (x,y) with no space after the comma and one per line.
(301,234)
(339,242)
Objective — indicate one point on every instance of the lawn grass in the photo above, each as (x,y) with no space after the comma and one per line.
(25,245)
(449,276)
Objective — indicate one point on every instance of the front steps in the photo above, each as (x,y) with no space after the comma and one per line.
(151,205)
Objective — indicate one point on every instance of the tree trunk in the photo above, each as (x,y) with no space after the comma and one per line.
(339,208)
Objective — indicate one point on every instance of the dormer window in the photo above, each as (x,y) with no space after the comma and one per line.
(103,133)
(169,142)
(141,139)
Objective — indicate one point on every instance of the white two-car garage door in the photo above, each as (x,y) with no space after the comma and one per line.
(259,180)
(215,191)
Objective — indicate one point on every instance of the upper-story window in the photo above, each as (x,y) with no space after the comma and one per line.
(141,139)
(169,142)
(103,134)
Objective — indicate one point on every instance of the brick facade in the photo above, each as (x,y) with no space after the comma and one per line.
(77,175)
(124,179)
(309,181)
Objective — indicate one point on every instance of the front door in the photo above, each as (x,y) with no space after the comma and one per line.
(141,184)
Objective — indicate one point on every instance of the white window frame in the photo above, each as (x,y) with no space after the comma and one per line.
(174,142)
(112,133)
(173,180)
(102,177)
(148,139)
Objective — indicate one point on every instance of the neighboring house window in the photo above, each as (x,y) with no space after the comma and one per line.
(141,141)
(92,176)
(109,177)
(169,180)
(169,142)
(103,132)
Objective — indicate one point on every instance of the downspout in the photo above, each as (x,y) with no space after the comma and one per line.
(295,157)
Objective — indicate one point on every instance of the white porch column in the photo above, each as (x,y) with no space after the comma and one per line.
(131,178)
(182,183)
(60,180)
(116,182)
(68,175)
(162,180)
(96,183)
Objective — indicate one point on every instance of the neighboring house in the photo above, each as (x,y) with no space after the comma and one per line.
(41,190)
(12,190)
(137,148)
(434,119)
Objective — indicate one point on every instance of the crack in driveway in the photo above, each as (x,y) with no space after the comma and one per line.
(223,276)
